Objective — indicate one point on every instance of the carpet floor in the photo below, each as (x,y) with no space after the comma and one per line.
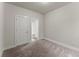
(40,48)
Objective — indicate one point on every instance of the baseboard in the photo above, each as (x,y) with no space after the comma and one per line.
(1,52)
(62,44)
(12,46)
(8,47)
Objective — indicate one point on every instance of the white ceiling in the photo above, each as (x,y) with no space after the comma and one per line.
(42,7)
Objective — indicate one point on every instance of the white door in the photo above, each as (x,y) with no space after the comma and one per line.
(21,30)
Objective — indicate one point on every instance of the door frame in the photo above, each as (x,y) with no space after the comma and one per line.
(31,26)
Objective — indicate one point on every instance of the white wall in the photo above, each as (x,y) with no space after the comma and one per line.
(10,12)
(1,27)
(62,25)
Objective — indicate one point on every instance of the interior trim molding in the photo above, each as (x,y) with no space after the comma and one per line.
(9,47)
(62,44)
(1,52)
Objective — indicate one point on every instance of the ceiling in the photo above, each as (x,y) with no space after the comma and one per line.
(42,7)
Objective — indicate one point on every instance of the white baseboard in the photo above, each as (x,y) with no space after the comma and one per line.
(8,47)
(1,52)
(62,44)
(12,46)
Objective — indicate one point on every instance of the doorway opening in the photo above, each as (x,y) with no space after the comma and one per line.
(34,29)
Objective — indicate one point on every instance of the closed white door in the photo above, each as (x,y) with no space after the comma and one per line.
(21,30)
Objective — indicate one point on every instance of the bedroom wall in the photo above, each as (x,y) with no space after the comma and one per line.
(1,27)
(62,25)
(10,12)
